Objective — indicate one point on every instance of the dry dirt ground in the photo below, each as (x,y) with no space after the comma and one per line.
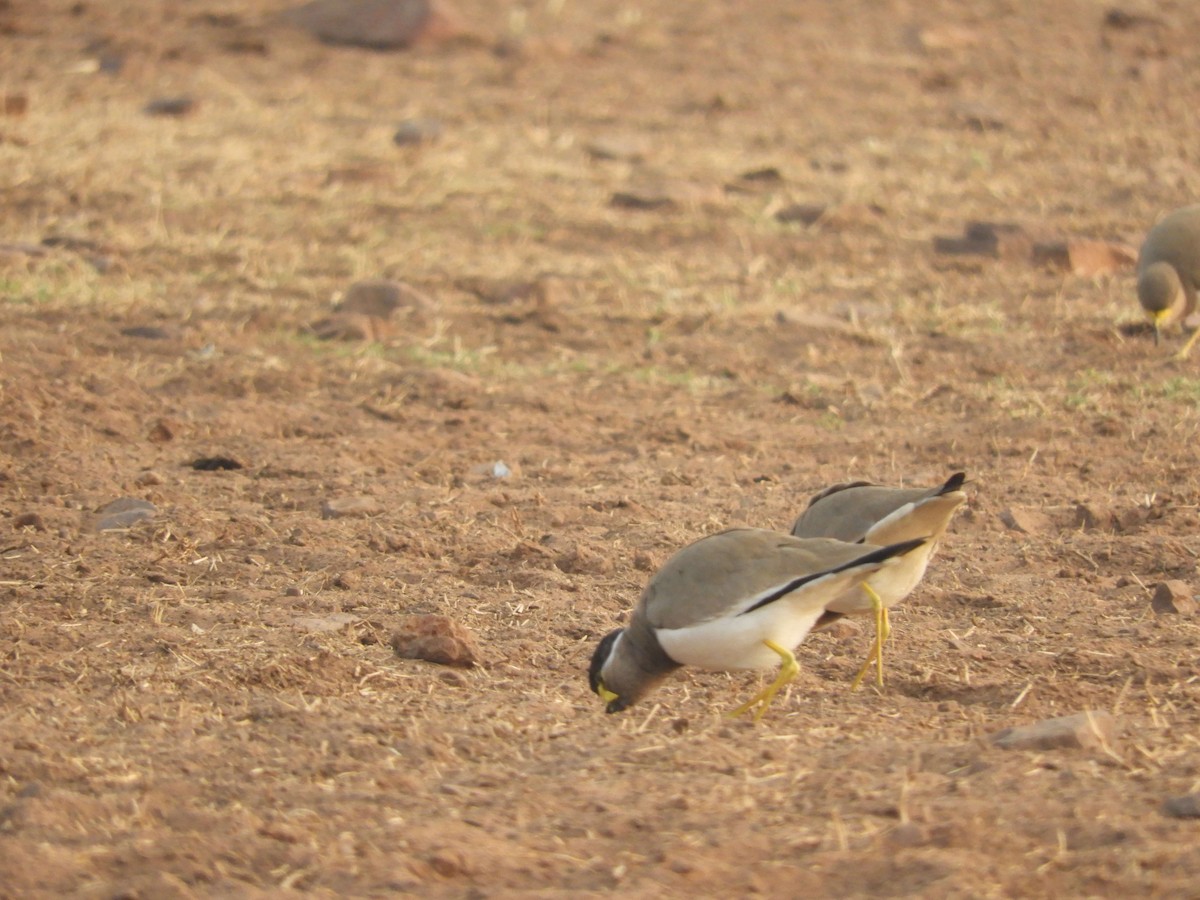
(207,704)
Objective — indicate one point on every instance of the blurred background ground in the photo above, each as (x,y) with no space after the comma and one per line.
(665,268)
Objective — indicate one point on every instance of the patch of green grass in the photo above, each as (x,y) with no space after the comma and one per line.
(1088,389)
(831,421)
(1181,389)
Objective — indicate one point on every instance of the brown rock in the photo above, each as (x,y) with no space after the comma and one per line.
(169,106)
(414,132)
(437,639)
(582,561)
(1173,596)
(364,313)
(1026,520)
(378,24)
(1092,517)
(1091,729)
(344,507)
(1186,806)
(29,520)
(1003,240)
(124,513)
(15,104)
(380,298)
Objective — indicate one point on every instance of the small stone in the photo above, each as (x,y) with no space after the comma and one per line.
(125,513)
(1093,729)
(147,332)
(15,104)
(437,639)
(644,562)
(1092,517)
(582,561)
(1026,520)
(804,213)
(1002,240)
(449,864)
(907,834)
(347,581)
(169,106)
(381,297)
(378,24)
(348,507)
(1173,596)
(163,430)
(413,132)
(216,464)
(364,312)
(1186,806)
(29,520)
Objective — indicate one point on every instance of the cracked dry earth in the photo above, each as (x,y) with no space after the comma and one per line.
(206,703)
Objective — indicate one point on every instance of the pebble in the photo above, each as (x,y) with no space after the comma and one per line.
(1173,597)
(1186,806)
(378,24)
(382,297)
(413,132)
(1026,521)
(364,312)
(216,464)
(29,520)
(169,106)
(1093,729)
(436,639)
(147,332)
(347,507)
(124,513)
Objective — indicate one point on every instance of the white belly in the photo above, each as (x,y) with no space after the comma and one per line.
(737,642)
(891,583)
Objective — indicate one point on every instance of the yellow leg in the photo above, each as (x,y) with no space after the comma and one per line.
(1187,348)
(883,629)
(763,698)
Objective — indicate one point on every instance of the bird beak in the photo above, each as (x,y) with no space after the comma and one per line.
(1158,317)
(613,703)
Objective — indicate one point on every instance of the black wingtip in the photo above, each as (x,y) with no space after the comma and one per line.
(887,552)
(954,483)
